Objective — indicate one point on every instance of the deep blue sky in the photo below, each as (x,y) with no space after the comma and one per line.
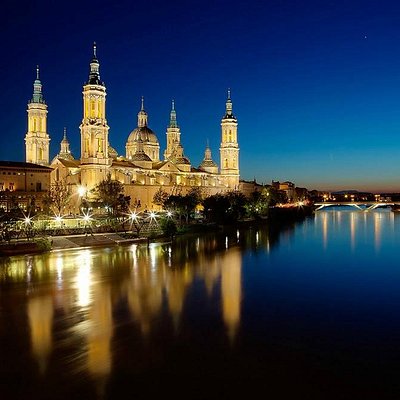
(315,84)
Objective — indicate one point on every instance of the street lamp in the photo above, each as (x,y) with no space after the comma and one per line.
(81,191)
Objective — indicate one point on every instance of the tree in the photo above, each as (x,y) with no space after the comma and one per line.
(276,196)
(57,197)
(108,192)
(215,208)
(160,197)
(168,227)
(184,205)
(224,208)
(123,203)
(237,201)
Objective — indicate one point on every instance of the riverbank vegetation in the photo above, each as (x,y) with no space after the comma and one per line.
(109,210)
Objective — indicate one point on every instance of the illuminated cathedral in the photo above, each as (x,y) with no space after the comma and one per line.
(141,169)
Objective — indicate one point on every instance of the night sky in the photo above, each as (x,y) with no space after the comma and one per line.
(315,84)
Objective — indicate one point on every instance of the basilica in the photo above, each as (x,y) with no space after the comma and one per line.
(141,169)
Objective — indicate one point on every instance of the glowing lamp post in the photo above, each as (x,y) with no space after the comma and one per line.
(81,191)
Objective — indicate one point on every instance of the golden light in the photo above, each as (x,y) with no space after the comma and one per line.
(81,191)
(83,278)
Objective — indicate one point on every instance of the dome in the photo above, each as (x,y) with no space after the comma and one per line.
(140,156)
(182,160)
(208,164)
(144,133)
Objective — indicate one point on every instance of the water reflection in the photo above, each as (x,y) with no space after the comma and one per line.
(363,226)
(40,315)
(231,267)
(75,294)
(89,311)
(99,334)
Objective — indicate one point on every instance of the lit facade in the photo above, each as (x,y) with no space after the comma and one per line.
(37,140)
(22,183)
(141,169)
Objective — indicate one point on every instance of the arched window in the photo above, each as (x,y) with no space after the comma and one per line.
(86,144)
(92,109)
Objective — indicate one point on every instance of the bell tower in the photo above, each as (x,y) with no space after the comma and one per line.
(94,128)
(173,135)
(229,149)
(37,140)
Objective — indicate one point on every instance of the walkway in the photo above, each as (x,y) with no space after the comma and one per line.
(96,239)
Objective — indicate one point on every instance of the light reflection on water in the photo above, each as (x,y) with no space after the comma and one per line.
(140,311)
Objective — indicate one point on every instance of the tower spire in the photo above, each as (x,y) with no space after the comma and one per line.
(37,89)
(172,119)
(37,139)
(229,148)
(94,71)
(142,115)
(228,106)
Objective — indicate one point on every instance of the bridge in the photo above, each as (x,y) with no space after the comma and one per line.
(360,205)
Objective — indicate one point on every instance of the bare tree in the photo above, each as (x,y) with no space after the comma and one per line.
(57,197)
(109,192)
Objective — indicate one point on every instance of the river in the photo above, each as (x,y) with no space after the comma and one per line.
(308,310)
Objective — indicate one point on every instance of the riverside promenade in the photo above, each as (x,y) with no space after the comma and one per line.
(94,239)
(26,247)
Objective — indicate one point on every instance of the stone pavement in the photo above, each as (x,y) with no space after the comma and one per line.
(96,239)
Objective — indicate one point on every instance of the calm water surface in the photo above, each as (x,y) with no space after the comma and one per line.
(308,311)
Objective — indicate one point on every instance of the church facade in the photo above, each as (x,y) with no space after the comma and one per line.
(141,169)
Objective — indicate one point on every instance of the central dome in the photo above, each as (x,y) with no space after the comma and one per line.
(142,139)
(143,133)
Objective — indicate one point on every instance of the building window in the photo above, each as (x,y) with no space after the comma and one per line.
(11,186)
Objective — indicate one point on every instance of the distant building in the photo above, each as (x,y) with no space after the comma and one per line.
(287,187)
(351,195)
(22,183)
